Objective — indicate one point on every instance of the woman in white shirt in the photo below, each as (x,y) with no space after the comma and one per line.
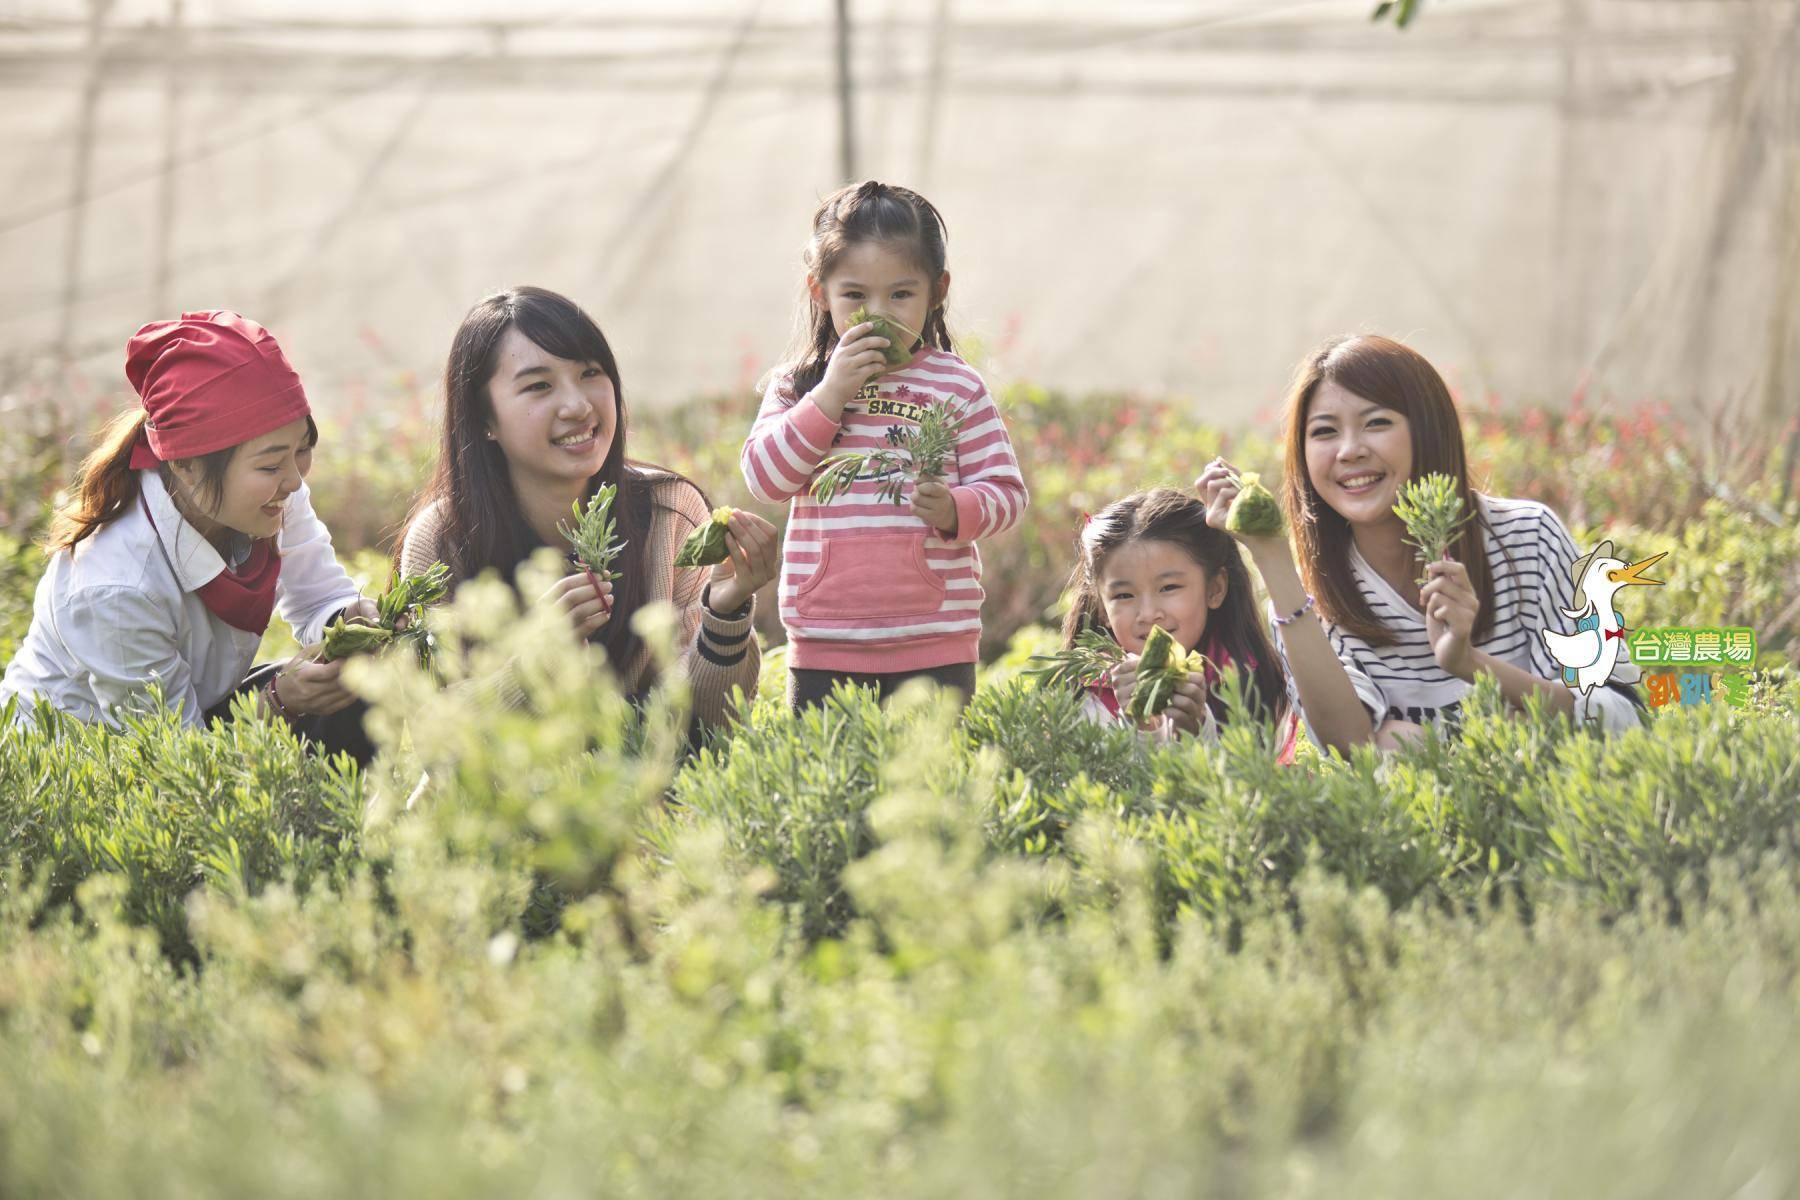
(187,526)
(1364,415)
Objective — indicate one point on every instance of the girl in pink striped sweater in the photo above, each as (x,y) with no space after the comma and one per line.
(874,591)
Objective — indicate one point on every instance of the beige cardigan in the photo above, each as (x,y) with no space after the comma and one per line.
(721,651)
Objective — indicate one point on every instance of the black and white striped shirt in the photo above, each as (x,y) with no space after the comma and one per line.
(1529,554)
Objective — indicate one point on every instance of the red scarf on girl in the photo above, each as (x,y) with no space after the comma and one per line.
(1217,659)
(243,599)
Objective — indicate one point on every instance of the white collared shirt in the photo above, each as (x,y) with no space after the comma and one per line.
(122,610)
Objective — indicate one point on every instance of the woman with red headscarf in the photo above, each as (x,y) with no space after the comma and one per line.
(189,524)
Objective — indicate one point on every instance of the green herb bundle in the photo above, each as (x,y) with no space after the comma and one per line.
(1082,665)
(1162,668)
(595,534)
(913,452)
(706,545)
(1433,513)
(1254,512)
(900,339)
(406,600)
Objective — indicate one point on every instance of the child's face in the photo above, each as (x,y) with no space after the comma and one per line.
(1357,454)
(554,418)
(1148,583)
(882,278)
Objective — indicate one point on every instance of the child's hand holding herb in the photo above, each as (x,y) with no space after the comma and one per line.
(933,504)
(859,355)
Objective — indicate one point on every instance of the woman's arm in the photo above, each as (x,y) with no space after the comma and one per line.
(313,586)
(1335,713)
(719,649)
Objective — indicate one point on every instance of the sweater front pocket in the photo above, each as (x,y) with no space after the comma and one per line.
(871,577)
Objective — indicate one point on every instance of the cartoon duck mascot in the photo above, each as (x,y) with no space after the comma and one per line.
(1589,654)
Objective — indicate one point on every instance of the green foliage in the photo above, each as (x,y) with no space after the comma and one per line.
(1162,667)
(401,618)
(1081,665)
(706,545)
(900,339)
(593,535)
(1403,12)
(1433,513)
(913,453)
(169,807)
(886,951)
(791,792)
(1254,512)
(20,565)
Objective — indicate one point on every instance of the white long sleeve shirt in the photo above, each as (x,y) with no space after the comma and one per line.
(122,610)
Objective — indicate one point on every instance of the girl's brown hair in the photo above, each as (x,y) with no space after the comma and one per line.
(1166,515)
(482,525)
(1385,372)
(106,485)
(867,212)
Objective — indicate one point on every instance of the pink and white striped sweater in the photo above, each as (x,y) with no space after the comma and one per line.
(865,585)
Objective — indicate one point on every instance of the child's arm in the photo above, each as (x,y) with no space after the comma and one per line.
(1334,711)
(789,440)
(991,496)
(793,434)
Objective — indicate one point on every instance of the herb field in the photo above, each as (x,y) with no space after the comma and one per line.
(899,952)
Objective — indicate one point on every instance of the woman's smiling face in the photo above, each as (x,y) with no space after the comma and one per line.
(1358,454)
(258,479)
(553,418)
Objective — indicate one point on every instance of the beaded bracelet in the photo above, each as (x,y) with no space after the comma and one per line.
(275,704)
(1297,613)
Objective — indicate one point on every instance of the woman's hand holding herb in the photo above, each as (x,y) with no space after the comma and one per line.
(1450,606)
(312,688)
(1218,487)
(753,549)
(585,598)
(933,504)
(858,356)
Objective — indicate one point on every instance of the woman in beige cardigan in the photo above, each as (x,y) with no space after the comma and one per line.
(534,422)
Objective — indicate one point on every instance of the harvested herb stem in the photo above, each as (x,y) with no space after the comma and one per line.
(913,452)
(1433,513)
(594,534)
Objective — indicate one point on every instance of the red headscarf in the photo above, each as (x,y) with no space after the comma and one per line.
(209,381)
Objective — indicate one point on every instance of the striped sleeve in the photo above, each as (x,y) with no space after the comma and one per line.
(990,495)
(790,438)
(1611,705)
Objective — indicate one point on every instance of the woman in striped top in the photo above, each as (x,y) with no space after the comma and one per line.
(1365,414)
(873,591)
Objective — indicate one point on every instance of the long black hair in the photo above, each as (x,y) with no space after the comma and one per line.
(482,526)
(1166,515)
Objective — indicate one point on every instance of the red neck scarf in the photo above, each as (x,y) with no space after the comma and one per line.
(243,599)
